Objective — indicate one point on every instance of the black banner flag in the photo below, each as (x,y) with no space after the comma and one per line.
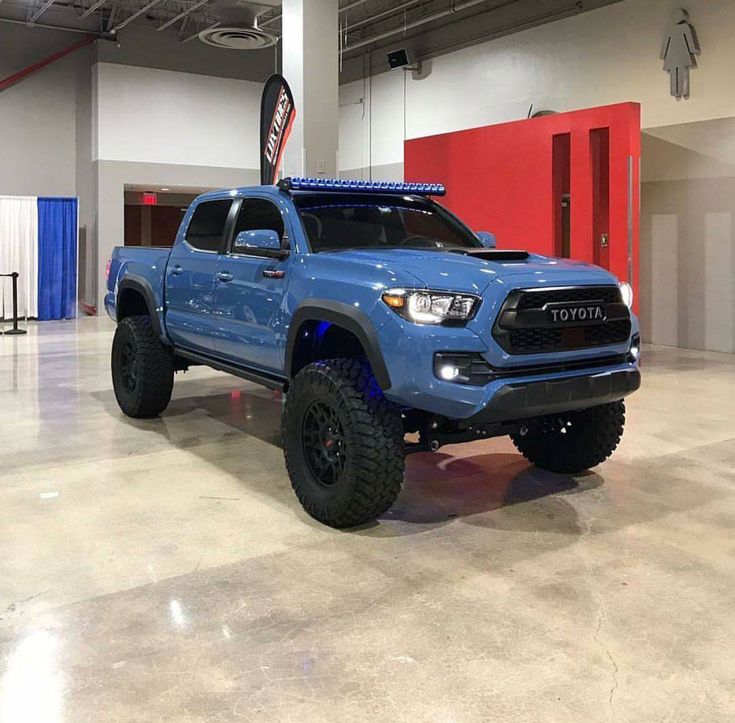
(277,113)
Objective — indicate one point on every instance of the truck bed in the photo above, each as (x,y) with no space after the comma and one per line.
(146,264)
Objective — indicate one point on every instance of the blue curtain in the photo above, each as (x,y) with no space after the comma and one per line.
(57,258)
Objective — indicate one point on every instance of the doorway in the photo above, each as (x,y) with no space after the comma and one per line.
(153,217)
(688,235)
(561,161)
(600,152)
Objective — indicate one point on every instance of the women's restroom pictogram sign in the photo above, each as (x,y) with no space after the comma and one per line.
(679,52)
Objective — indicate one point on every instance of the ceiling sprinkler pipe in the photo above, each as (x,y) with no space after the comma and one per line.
(378,16)
(343,9)
(426,19)
(46,26)
(182,14)
(136,14)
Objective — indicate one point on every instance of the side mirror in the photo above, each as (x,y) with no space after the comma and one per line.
(487,239)
(263,239)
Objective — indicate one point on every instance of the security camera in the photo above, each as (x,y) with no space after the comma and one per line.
(401,59)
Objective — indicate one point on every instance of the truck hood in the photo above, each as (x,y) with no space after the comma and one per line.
(473,273)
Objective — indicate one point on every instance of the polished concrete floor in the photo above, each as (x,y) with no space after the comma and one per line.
(163,570)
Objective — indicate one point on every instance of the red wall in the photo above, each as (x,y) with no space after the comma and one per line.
(501,178)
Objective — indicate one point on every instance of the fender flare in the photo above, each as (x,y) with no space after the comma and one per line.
(143,287)
(349,318)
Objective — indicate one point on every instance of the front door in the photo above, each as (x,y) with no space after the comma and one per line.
(191,321)
(249,293)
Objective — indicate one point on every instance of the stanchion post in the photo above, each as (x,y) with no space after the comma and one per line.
(15,329)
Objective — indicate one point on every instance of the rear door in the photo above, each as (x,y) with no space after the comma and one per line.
(249,291)
(191,321)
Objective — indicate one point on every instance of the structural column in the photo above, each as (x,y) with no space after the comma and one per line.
(310,65)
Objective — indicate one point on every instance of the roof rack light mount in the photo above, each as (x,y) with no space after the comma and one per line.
(296,183)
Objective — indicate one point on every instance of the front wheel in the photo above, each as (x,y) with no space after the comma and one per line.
(142,368)
(343,443)
(573,441)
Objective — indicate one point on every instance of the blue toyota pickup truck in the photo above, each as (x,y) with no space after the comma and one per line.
(390,326)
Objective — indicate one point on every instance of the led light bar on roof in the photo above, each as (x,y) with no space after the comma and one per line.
(342,185)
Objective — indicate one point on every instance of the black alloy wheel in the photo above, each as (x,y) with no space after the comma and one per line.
(343,443)
(325,445)
(128,366)
(142,368)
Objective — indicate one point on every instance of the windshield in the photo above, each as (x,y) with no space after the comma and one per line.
(336,222)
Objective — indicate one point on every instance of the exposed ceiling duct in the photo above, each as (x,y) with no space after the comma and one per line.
(237,27)
(367,27)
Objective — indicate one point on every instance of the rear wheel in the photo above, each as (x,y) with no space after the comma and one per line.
(142,368)
(573,441)
(343,443)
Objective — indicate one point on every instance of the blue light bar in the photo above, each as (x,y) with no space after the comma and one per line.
(342,185)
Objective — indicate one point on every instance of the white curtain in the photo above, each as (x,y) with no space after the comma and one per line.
(19,252)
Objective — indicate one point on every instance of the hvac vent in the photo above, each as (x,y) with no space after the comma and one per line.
(238,27)
(237,38)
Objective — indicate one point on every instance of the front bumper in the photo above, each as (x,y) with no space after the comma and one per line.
(532,386)
(522,400)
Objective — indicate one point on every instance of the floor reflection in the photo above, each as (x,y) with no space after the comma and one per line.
(457,481)
(32,685)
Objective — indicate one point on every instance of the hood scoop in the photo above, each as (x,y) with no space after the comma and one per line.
(238,27)
(499,255)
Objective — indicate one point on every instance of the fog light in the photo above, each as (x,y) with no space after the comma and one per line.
(448,372)
(634,352)
(462,368)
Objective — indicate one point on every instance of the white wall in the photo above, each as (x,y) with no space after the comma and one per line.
(147,115)
(688,263)
(688,235)
(166,128)
(603,56)
(38,116)
(378,144)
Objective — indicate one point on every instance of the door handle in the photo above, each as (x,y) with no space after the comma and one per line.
(224,276)
(176,270)
(273,273)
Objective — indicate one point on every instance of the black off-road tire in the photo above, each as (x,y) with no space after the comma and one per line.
(370,434)
(142,369)
(572,442)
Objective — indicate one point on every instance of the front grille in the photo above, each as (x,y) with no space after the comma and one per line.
(613,332)
(524,341)
(529,341)
(522,327)
(537,299)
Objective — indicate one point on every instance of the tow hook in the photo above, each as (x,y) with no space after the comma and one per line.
(434,444)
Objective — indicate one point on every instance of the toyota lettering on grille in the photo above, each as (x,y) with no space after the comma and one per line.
(584,312)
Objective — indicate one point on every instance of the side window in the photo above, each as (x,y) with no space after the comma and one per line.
(257,213)
(207,225)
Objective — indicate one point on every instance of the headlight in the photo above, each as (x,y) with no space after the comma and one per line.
(626,291)
(431,307)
